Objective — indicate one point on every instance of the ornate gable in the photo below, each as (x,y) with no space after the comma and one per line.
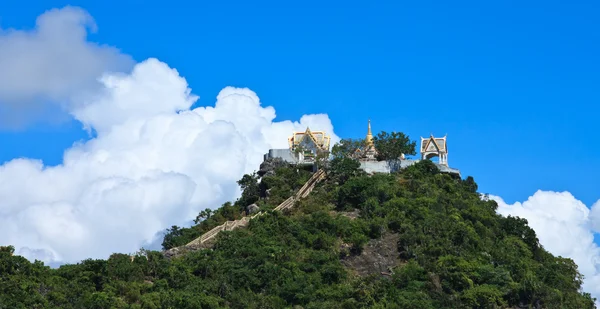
(433,144)
(308,138)
(319,139)
(435,147)
(441,144)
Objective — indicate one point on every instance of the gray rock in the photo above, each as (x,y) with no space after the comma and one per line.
(379,256)
(268,166)
(174,252)
(252,209)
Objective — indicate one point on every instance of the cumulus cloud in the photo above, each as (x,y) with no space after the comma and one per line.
(565,227)
(51,65)
(153,163)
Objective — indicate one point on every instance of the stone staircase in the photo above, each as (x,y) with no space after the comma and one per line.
(303,192)
(206,240)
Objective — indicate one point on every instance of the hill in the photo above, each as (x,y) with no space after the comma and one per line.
(417,238)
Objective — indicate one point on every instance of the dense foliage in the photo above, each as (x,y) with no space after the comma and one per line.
(346,147)
(454,250)
(391,146)
(278,186)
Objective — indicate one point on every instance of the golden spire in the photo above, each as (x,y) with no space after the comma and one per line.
(369,139)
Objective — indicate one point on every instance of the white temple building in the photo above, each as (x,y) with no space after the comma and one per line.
(434,147)
(305,146)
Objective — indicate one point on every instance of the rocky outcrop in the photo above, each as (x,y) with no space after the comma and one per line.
(173,252)
(348,214)
(252,209)
(378,257)
(267,168)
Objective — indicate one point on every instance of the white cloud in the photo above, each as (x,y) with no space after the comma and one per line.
(565,227)
(51,65)
(153,163)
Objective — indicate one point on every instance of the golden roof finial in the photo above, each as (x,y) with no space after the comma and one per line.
(369,139)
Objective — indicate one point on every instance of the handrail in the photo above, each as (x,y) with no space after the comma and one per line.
(285,203)
(304,191)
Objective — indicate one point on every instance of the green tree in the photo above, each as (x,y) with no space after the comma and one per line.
(346,147)
(250,189)
(171,234)
(391,146)
(322,159)
(343,168)
(203,215)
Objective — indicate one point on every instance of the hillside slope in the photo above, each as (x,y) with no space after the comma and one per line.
(416,239)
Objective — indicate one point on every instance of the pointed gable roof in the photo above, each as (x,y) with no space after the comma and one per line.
(308,134)
(318,138)
(433,144)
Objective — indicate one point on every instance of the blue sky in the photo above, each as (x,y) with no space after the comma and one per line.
(513,84)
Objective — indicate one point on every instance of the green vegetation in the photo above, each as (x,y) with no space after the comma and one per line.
(454,251)
(280,186)
(391,146)
(346,147)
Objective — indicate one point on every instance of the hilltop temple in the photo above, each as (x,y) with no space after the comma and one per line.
(308,144)
(434,147)
(368,151)
(305,146)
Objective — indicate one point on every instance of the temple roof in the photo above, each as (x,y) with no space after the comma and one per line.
(433,144)
(319,138)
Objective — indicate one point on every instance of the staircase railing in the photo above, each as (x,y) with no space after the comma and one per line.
(304,191)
